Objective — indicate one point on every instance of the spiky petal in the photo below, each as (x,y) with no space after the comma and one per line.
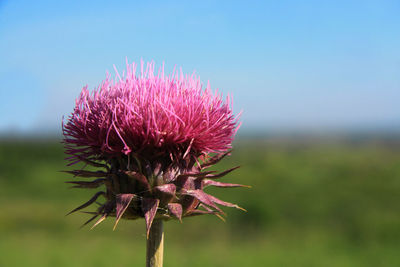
(149,207)
(123,201)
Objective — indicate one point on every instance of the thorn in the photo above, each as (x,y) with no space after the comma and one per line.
(219,216)
(102,218)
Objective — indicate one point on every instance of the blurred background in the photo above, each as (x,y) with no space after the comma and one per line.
(319,86)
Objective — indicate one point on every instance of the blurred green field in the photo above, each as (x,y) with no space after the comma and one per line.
(312,203)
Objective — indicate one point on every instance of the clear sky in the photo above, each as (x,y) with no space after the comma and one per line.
(288,64)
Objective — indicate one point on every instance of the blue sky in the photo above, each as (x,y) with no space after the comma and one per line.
(289,64)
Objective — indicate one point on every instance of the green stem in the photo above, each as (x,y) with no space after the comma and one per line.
(155,245)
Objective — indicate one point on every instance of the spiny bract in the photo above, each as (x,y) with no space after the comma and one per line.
(153,136)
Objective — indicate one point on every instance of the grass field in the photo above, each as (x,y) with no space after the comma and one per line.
(312,203)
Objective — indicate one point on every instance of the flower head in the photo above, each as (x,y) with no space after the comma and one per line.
(149,114)
(154,135)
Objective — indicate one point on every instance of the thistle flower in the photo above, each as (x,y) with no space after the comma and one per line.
(153,137)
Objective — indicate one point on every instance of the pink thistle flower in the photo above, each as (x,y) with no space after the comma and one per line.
(154,135)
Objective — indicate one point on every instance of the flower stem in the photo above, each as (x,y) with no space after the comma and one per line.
(155,245)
